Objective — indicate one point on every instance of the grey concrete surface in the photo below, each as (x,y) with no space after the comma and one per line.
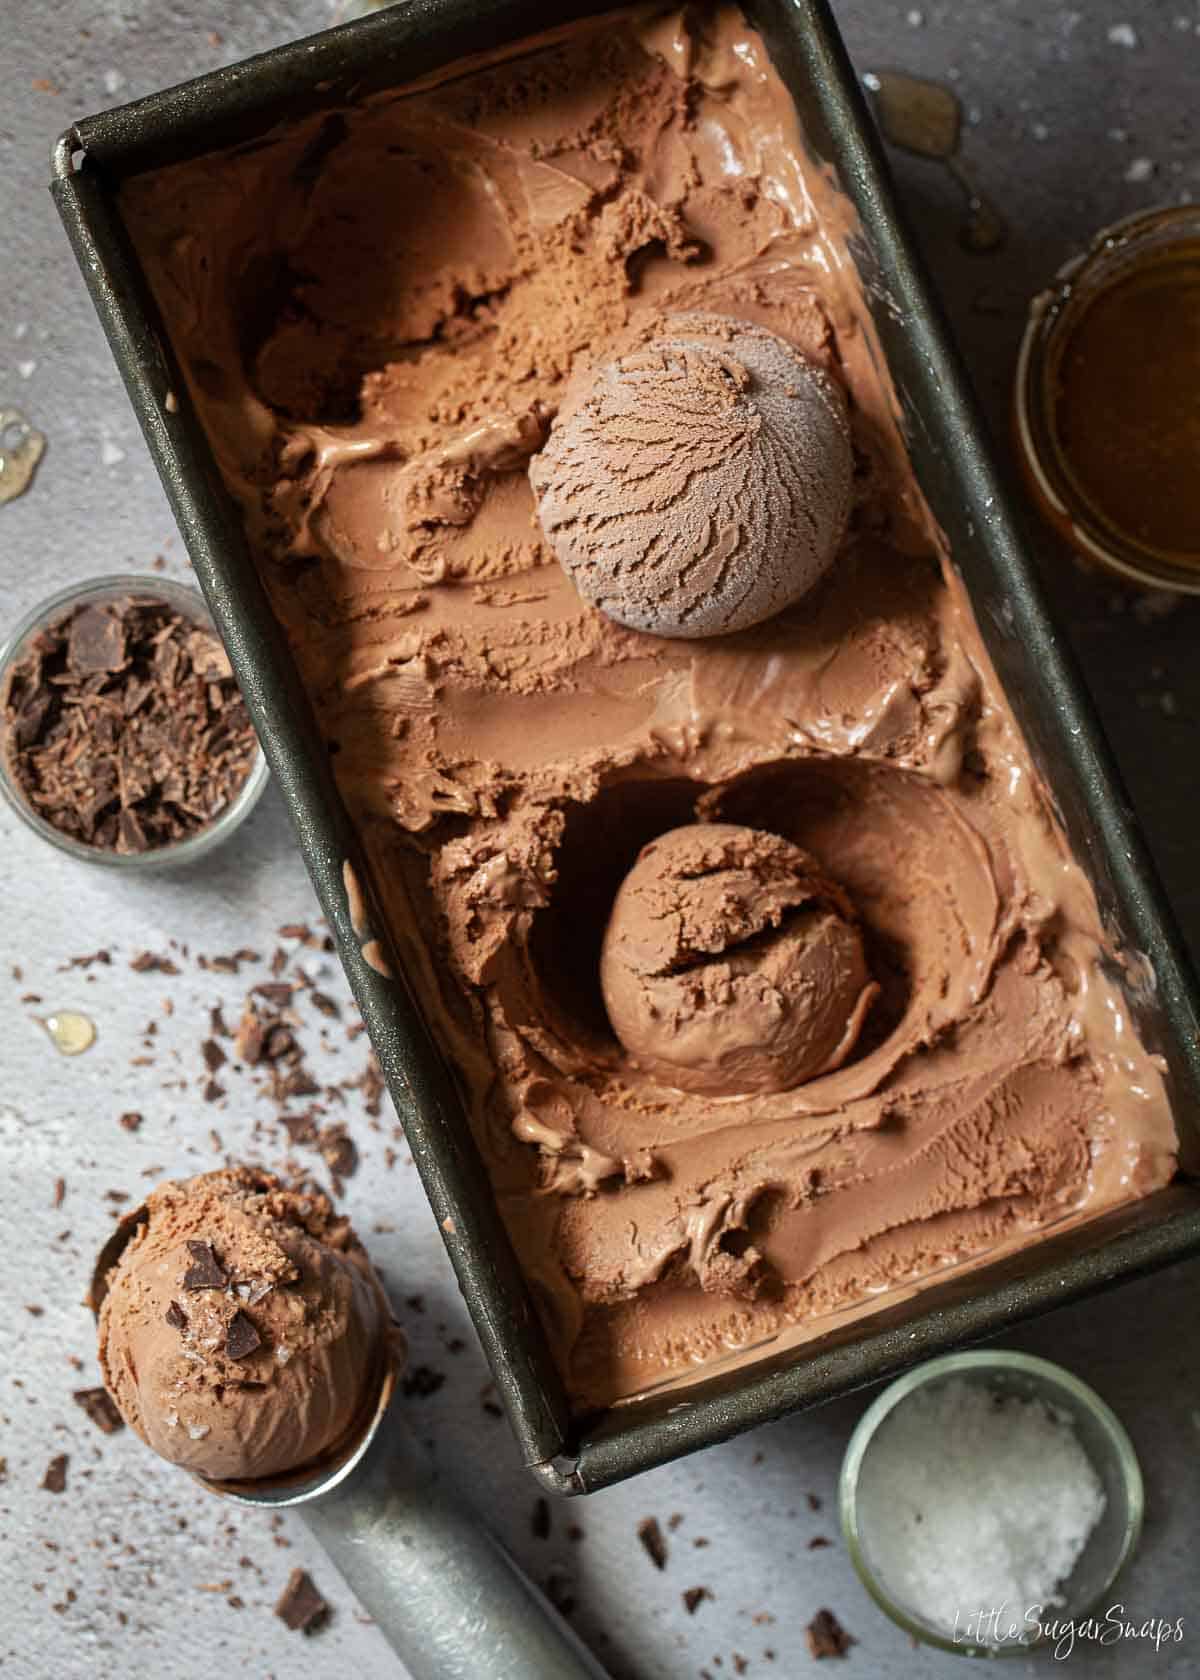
(1074,116)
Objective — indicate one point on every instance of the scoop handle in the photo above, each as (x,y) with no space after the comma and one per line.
(448,1598)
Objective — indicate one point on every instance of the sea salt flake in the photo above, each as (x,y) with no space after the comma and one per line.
(969,1500)
(1123,35)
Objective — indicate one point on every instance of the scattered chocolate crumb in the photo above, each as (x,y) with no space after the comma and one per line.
(214,1056)
(55,1479)
(326,1004)
(694,1597)
(242,1336)
(176,1317)
(301,1607)
(104,957)
(128,728)
(131,1120)
(674,1520)
(99,1407)
(826,1636)
(557,1587)
(338,1149)
(700,1542)
(574,1532)
(740,1663)
(488,1401)
(235,1603)
(3,1470)
(540,1522)
(814,1501)
(422,1381)
(34,1310)
(216,1022)
(817,1541)
(212,1092)
(60,1192)
(208,1272)
(148,962)
(296,930)
(654,1541)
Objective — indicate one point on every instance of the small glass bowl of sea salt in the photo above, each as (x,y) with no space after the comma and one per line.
(987,1499)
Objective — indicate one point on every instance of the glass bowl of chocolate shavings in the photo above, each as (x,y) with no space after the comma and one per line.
(124,740)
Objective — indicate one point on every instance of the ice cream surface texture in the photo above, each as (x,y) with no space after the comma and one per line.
(701,483)
(385,315)
(731,963)
(243,1333)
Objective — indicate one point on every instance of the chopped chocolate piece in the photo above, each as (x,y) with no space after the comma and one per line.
(98,1405)
(212,1092)
(208,1272)
(326,1004)
(826,1636)
(55,1479)
(130,1120)
(127,729)
(296,930)
(422,1381)
(148,962)
(301,1607)
(216,1022)
(278,992)
(86,962)
(341,1156)
(817,1541)
(654,1541)
(176,1317)
(35,1311)
(540,1522)
(214,1056)
(249,1039)
(242,1336)
(60,1191)
(814,1501)
(674,1521)
(694,1597)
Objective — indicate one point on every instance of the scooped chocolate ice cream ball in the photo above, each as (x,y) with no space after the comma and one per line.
(243,1331)
(732,964)
(699,484)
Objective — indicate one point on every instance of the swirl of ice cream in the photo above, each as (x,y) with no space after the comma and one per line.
(701,482)
(732,964)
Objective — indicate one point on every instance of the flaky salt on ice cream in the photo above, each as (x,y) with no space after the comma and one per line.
(699,484)
(243,1332)
(733,964)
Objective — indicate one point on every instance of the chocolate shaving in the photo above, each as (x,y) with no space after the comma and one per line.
(242,1337)
(176,1317)
(338,1148)
(55,1479)
(208,1272)
(97,1403)
(127,730)
(214,1056)
(422,1381)
(826,1636)
(301,1607)
(150,962)
(654,1541)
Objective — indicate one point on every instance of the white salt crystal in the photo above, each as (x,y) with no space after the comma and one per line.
(1140,169)
(1123,35)
(969,1503)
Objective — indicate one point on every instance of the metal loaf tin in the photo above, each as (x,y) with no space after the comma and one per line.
(985,534)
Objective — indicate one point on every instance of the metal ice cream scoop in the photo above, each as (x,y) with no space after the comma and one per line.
(447,1597)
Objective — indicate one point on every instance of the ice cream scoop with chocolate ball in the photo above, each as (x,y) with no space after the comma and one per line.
(700,483)
(243,1332)
(732,964)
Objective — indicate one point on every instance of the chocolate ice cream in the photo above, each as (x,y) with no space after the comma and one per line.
(700,483)
(380,313)
(732,964)
(243,1333)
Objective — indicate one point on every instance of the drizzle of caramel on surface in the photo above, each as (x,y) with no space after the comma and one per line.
(1127,403)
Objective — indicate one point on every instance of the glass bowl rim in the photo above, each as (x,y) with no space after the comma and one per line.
(982,1360)
(188,601)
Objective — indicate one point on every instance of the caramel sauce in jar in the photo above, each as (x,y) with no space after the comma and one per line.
(1108,399)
